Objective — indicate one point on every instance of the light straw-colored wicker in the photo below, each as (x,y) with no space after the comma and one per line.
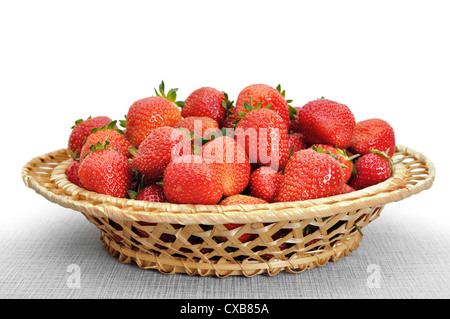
(132,230)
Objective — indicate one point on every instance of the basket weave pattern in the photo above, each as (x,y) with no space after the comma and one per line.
(192,239)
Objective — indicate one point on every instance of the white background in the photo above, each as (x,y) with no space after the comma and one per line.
(65,60)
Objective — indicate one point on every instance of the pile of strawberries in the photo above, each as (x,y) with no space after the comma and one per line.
(209,150)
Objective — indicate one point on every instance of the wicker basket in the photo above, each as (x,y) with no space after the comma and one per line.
(183,238)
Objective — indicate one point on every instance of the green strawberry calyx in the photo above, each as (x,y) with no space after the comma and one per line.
(344,153)
(292,110)
(227,104)
(99,147)
(76,155)
(110,126)
(171,95)
(79,121)
(133,150)
(336,157)
(123,123)
(139,178)
(250,107)
(320,150)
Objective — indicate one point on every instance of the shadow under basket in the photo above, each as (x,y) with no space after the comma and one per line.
(193,239)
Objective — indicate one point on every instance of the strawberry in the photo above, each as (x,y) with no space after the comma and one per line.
(207,102)
(157,150)
(373,134)
(310,174)
(239,199)
(346,189)
(72,173)
(324,121)
(149,113)
(190,180)
(296,142)
(265,137)
(115,139)
(265,184)
(371,169)
(342,156)
(230,162)
(106,171)
(266,95)
(81,130)
(152,193)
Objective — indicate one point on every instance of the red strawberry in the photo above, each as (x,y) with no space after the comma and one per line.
(72,173)
(239,199)
(149,113)
(265,184)
(265,136)
(265,94)
(115,139)
(190,180)
(152,193)
(345,160)
(310,175)
(207,102)
(346,189)
(296,142)
(231,163)
(81,130)
(371,169)
(373,134)
(157,150)
(107,172)
(326,122)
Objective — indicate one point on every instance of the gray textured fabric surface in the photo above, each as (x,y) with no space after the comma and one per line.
(400,256)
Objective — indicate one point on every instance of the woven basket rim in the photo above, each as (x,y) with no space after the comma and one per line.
(414,172)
